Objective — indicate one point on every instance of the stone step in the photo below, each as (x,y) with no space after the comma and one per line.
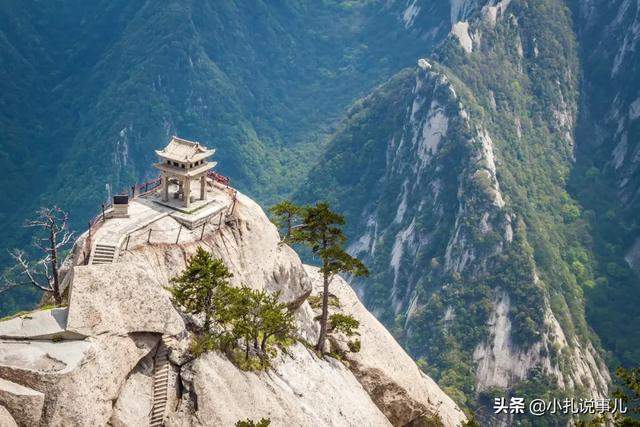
(160,384)
(103,255)
(105,250)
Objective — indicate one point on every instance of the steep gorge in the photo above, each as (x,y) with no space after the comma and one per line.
(465,207)
(91,89)
(493,189)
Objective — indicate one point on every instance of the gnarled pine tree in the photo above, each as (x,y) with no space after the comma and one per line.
(321,231)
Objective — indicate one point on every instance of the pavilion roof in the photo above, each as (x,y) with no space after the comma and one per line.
(183,150)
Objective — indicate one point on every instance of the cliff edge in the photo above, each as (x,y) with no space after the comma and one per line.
(119,354)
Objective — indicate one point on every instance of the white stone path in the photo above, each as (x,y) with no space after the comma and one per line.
(111,234)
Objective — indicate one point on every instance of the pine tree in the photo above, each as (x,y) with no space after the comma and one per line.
(276,320)
(195,288)
(253,316)
(285,214)
(321,231)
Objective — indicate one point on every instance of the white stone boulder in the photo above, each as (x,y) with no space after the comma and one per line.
(38,325)
(120,298)
(135,400)
(6,420)
(86,396)
(26,359)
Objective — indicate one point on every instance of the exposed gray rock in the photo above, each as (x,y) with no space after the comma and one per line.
(135,399)
(383,365)
(24,403)
(120,298)
(301,389)
(29,358)
(39,325)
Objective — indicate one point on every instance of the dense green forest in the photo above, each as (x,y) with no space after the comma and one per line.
(91,89)
(500,172)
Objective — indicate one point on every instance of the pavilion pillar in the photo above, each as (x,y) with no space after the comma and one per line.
(165,187)
(203,187)
(186,194)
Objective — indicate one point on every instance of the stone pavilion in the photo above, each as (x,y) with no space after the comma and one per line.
(184,161)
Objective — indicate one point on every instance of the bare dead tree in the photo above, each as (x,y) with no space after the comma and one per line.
(51,238)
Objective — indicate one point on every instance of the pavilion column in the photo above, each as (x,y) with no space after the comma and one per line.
(165,187)
(203,187)
(187,192)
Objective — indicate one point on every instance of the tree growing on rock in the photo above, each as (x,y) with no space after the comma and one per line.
(347,325)
(321,231)
(195,288)
(51,239)
(285,214)
(252,316)
(276,320)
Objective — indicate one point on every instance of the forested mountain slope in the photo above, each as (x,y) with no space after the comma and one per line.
(492,189)
(90,89)
(471,209)
(607,173)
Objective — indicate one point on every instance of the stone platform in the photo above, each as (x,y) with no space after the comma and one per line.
(200,211)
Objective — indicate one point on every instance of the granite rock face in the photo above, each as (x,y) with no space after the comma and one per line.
(100,367)
(300,389)
(24,403)
(384,369)
(6,420)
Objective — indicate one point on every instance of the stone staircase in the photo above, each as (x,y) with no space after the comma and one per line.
(103,254)
(160,384)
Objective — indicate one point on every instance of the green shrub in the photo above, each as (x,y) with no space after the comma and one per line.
(344,323)
(355,346)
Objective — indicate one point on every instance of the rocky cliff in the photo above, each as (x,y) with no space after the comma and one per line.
(100,361)
(465,213)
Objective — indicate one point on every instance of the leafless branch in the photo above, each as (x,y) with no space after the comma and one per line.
(43,274)
(25,269)
(66,238)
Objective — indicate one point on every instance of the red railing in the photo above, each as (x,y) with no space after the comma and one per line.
(146,187)
(219,178)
